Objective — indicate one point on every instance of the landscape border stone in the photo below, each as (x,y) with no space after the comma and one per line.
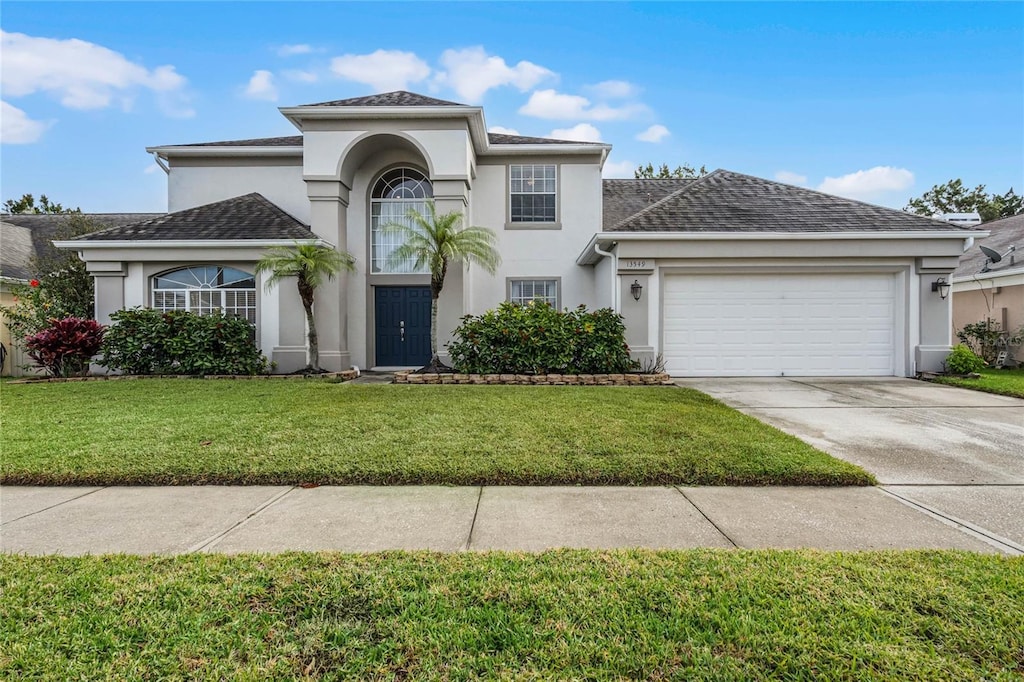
(345,375)
(408,376)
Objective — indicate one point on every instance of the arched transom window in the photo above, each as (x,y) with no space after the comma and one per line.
(205,288)
(393,195)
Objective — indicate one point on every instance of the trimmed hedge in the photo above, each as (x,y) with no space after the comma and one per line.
(147,341)
(537,339)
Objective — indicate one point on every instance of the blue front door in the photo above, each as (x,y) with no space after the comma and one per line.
(402,326)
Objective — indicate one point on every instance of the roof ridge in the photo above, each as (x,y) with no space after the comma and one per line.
(656,204)
(273,207)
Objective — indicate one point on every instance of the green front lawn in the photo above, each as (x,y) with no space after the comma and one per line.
(1002,381)
(695,615)
(187,431)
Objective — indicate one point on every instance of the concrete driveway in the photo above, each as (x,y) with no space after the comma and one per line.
(953,452)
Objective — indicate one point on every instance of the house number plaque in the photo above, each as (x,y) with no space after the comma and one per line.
(636,264)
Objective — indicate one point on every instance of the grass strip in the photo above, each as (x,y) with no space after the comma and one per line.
(181,431)
(694,615)
(1000,381)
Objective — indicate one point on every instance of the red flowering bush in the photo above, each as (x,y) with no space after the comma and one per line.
(65,347)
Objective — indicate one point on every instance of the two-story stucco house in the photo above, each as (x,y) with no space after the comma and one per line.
(723,275)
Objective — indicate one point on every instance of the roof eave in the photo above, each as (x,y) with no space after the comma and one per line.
(548,149)
(167,151)
(588,256)
(80,245)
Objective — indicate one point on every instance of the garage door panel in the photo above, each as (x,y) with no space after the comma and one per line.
(767,325)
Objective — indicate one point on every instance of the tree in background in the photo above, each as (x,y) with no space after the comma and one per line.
(27,204)
(311,265)
(434,242)
(59,286)
(683,172)
(955,197)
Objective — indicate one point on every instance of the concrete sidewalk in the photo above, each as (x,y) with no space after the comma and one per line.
(174,520)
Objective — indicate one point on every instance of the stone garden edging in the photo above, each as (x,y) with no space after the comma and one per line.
(408,376)
(345,375)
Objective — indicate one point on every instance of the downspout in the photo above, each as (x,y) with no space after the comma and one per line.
(159,162)
(614,269)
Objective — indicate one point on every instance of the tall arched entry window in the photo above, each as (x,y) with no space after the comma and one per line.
(393,195)
(204,288)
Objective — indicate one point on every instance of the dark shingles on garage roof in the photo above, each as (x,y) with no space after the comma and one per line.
(502,138)
(28,235)
(724,201)
(623,198)
(250,216)
(1006,232)
(398,98)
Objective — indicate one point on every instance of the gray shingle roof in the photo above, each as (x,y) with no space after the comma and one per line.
(246,217)
(1006,232)
(724,201)
(288,141)
(26,235)
(296,141)
(623,198)
(502,138)
(398,98)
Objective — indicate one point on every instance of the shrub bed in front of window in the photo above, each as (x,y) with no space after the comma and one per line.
(537,339)
(147,341)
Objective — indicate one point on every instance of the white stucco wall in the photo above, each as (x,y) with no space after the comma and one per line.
(199,183)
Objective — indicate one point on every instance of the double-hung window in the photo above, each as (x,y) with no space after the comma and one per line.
(523,291)
(533,193)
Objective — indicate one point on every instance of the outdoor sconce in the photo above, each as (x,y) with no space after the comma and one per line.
(942,286)
(636,289)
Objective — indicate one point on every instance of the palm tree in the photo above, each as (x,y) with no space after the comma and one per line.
(311,265)
(434,241)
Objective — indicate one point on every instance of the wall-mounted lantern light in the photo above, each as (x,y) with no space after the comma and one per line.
(942,286)
(636,289)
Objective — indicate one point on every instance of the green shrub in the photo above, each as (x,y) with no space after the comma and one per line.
(986,338)
(65,347)
(146,341)
(962,360)
(537,339)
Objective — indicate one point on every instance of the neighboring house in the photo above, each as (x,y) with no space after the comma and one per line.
(725,275)
(992,290)
(23,237)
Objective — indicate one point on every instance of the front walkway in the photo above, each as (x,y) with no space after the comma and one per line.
(174,520)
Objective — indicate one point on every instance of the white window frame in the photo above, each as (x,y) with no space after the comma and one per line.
(554,282)
(204,298)
(522,187)
(393,210)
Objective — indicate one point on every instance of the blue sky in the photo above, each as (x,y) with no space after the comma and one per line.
(874,101)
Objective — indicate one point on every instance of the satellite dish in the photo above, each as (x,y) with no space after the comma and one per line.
(992,254)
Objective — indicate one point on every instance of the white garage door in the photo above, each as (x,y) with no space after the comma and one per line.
(780,325)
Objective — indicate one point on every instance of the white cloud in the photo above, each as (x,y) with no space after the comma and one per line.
(613,89)
(383,70)
(868,184)
(558,106)
(261,86)
(83,75)
(17,128)
(290,50)
(471,72)
(791,178)
(618,169)
(655,133)
(583,132)
(502,130)
(300,76)
(151,168)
